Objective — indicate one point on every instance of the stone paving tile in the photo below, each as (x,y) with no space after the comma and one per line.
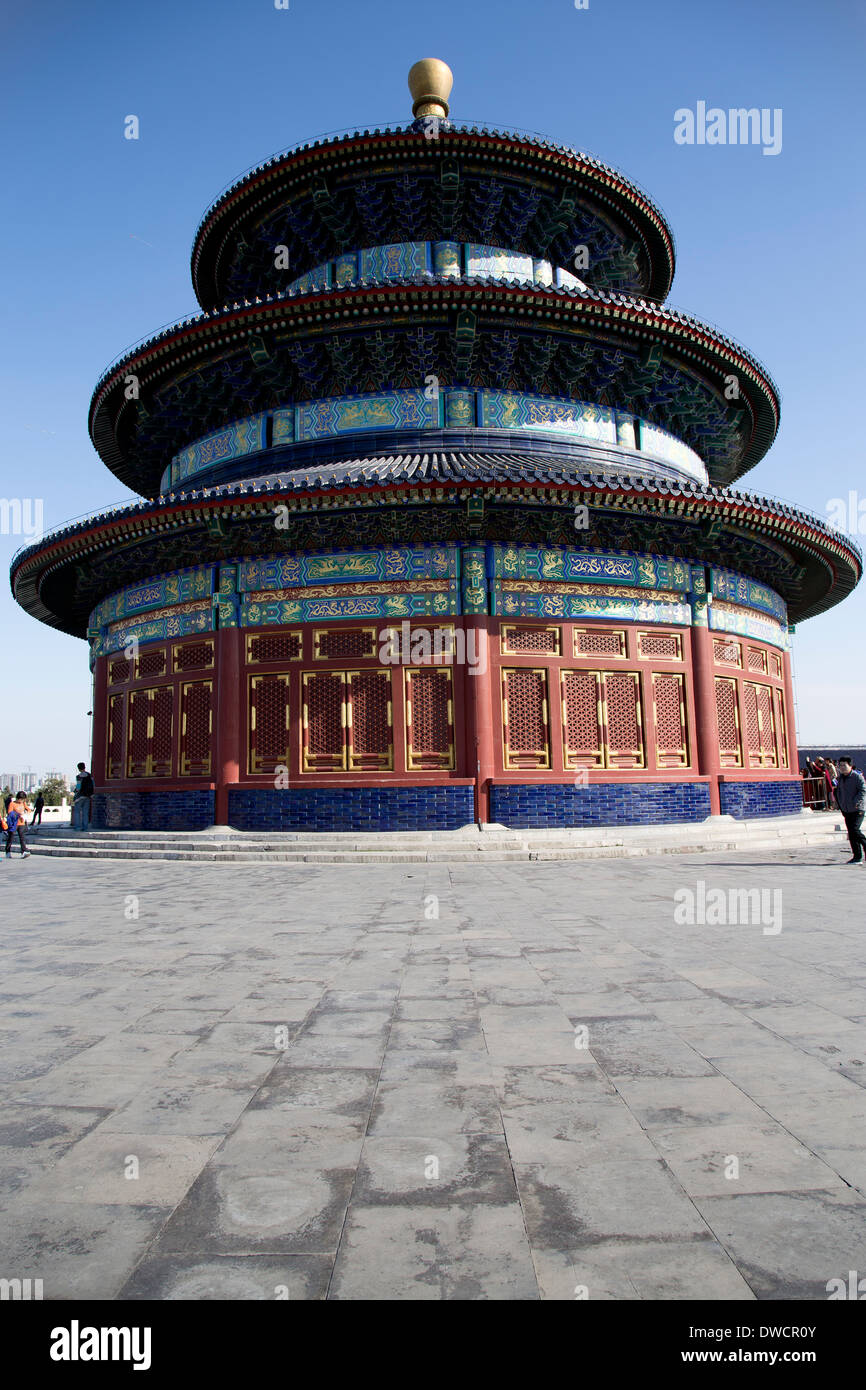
(567,1208)
(192,1107)
(789,1244)
(767,1159)
(197,1278)
(244,1210)
(330,1095)
(434,1253)
(96,1170)
(81,1251)
(646,1269)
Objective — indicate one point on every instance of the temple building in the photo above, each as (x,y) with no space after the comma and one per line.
(440,518)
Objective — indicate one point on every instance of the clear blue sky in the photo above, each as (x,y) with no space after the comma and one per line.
(96,229)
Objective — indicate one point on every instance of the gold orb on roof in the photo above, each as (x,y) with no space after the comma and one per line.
(430,82)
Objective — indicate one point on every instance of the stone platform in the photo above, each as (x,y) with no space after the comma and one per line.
(370,1082)
(491,843)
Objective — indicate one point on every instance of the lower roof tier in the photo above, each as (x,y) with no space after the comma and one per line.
(437,498)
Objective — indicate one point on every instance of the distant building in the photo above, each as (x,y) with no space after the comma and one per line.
(20,781)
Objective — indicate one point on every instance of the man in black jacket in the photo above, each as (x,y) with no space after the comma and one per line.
(851,800)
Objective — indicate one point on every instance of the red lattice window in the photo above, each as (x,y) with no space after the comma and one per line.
(371,743)
(540,641)
(757,659)
(429,719)
(138,740)
(114,750)
(775,665)
(760,725)
(338,644)
(663,646)
(524,700)
(669,701)
(781,728)
(597,641)
(730,752)
(151,732)
(119,671)
(150,664)
(196,728)
(727,652)
(162,730)
(582,719)
(624,728)
(282,646)
(194,656)
(270,727)
(324,721)
(422,646)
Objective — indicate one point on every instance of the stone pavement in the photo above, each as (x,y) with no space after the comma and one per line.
(554,1088)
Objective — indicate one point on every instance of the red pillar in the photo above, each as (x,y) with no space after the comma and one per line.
(228,744)
(793,751)
(706,717)
(480,738)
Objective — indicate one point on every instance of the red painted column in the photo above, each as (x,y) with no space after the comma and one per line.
(793,751)
(228,741)
(706,717)
(480,736)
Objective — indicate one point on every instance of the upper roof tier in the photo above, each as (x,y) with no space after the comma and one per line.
(430,181)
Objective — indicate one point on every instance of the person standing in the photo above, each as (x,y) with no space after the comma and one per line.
(37,811)
(81,800)
(851,800)
(16,820)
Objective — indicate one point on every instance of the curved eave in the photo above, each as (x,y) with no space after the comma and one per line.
(835,561)
(270,184)
(189,345)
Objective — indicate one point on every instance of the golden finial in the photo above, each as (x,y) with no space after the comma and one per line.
(430,82)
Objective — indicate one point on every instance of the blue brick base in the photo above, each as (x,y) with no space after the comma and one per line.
(156,810)
(528,806)
(744,800)
(352,808)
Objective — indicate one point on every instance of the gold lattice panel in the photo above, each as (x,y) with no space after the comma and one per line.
(530,640)
(270,722)
(727,652)
(192,656)
(429,718)
(419,645)
(119,671)
(582,719)
(150,739)
(271,647)
(660,646)
(781,728)
(671,735)
(727,714)
(343,643)
(524,717)
(600,642)
(760,724)
(196,728)
(775,665)
(371,731)
(114,730)
(324,721)
(151,664)
(623,720)
(757,659)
